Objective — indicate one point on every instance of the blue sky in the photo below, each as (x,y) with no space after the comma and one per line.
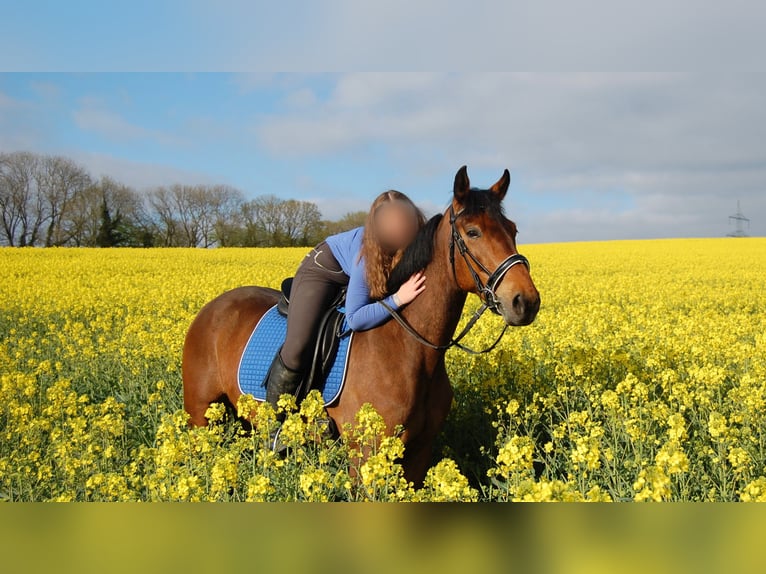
(598,155)
(592,156)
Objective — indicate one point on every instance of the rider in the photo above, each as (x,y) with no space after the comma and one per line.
(360,259)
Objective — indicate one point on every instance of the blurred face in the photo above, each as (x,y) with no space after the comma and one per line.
(396,224)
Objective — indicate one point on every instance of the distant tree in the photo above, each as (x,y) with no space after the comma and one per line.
(52,201)
(60,181)
(268,209)
(188,205)
(22,207)
(165,224)
(196,216)
(301,221)
(85,217)
(108,232)
(251,230)
(227,217)
(348,221)
(273,222)
(177,221)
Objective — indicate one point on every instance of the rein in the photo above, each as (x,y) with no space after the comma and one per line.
(486,291)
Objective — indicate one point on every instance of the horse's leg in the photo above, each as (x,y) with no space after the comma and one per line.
(200,373)
(418,451)
(391,387)
(238,316)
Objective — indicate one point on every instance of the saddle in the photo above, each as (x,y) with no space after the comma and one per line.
(331,329)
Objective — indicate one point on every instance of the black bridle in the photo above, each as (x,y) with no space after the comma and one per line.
(486,291)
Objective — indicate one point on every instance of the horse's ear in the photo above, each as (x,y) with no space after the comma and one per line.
(501,187)
(462,184)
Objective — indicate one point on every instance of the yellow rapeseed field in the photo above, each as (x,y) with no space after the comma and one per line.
(643,378)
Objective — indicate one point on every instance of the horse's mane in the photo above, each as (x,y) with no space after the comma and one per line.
(417,255)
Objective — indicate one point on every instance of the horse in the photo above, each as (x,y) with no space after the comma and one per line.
(412,392)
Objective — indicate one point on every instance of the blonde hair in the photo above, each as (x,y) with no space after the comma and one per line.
(378,261)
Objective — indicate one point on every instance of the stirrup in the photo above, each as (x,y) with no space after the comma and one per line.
(275,442)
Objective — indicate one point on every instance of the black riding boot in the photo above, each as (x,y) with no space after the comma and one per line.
(280,380)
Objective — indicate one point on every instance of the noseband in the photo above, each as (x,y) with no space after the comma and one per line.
(487,291)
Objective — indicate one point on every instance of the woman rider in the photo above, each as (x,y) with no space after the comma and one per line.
(360,260)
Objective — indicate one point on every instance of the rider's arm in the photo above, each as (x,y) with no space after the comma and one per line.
(362,312)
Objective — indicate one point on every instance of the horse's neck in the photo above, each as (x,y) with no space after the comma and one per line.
(435,313)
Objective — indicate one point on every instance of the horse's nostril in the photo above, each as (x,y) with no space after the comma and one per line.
(518,303)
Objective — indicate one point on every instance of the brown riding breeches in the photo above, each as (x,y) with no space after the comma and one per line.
(317,282)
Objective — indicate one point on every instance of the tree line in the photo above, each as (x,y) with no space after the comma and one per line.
(48,201)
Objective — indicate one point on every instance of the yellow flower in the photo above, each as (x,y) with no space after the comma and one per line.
(445,483)
(215,412)
(652,484)
(666,394)
(672,459)
(717,425)
(610,400)
(516,455)
(739,459)
(315,484)
(246,405)
(755,491)
(677,427)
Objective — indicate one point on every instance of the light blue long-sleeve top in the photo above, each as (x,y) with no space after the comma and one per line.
(362,312)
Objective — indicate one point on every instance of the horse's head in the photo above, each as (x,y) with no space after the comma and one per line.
(483,249)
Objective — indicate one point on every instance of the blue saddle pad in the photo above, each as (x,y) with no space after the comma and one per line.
(267,337)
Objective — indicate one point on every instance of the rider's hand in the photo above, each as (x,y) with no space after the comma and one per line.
(410,289)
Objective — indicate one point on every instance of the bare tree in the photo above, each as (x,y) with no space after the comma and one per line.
(24,208)
(252,232)
(50,200)
(200,213)
(60,181)
(189,210)
(10,214)
(196,216)
(270,218)
(84,216)
(270,221)
(300,221)
(166,225)
(227,204)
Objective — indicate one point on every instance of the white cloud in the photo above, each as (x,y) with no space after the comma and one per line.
(139,175)
(692,144)
(47,91)
(20,127)
(9,103)
(93,116)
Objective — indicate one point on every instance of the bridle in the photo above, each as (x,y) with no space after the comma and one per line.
(487,291)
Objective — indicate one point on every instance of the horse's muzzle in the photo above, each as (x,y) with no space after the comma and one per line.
(522,309)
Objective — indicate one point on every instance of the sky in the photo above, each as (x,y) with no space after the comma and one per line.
(596,155)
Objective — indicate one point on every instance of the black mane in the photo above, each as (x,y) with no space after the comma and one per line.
(417,255)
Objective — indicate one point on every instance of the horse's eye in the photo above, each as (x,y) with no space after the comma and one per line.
(473,233)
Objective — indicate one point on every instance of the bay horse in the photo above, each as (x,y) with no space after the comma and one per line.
(398,366)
